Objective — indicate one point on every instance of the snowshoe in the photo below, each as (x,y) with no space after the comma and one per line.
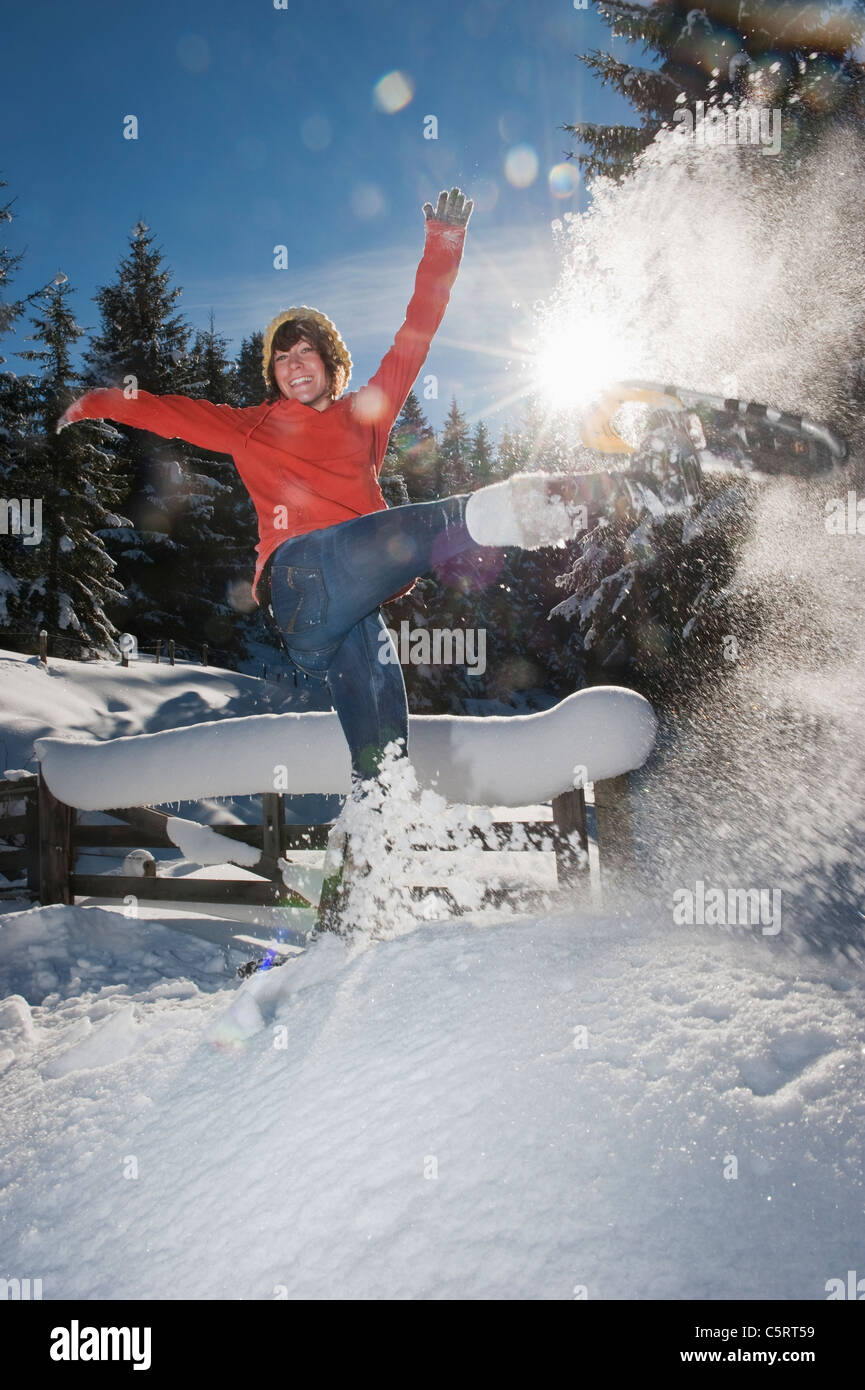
(726,434)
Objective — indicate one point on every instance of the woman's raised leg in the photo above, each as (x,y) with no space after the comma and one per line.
(325,582)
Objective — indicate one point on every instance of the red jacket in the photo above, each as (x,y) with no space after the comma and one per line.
(303,468)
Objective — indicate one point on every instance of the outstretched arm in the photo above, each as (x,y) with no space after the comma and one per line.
(380,401)
(208,426)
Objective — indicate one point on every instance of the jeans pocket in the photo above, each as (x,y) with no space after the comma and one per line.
(298,598)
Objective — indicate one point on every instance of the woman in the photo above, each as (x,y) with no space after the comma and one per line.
(330,553)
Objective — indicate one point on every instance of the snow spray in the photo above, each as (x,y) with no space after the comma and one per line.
(402,834)
(719,270)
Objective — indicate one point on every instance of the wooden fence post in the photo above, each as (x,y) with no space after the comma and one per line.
(569,817)
(55,847)
(43,647)
(272,831)
(204,655)
(31,840)
(171,651)
(615,828)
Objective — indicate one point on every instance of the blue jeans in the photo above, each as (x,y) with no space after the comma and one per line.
(326,591)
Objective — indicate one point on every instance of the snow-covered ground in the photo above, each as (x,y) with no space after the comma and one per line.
(518,1110)
(594,1101)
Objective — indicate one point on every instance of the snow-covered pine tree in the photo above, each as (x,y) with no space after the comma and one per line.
(802,60)
(392,479)
(67,579)
(651,598)
(142,345)
(213,520)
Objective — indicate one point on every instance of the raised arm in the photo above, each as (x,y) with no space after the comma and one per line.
(208,426)
(381,400)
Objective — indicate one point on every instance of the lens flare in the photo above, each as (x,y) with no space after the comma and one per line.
(521,166)
(316,133)
(367,201)
(392,92)
(564,180)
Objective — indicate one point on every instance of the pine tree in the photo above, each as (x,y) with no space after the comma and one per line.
(249,387)
(213,518)
(481,459)
(183,504)
(142,345)
(392,481)
(412,453)
(142,336)
(17,410)
(9,262)
(798,59)
(512,454)
(454,454)
(68,577)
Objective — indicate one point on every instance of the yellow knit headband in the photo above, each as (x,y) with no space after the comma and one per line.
(303,311)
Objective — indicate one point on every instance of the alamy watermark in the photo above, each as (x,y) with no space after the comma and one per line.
(851,1288)
(20,1290)
(22,518)
(845,517)
(434,646)
(77,1343)
(716,125)
(731,907)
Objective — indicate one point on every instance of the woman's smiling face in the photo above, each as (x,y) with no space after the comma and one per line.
(301,375)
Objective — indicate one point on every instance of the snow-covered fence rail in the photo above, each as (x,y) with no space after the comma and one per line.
(520,760)
(595,736)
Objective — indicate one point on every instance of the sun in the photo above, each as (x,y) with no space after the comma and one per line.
(572,365)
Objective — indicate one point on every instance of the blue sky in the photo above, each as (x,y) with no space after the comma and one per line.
(260,126)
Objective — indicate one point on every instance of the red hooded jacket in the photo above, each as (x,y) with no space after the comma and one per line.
(303,468)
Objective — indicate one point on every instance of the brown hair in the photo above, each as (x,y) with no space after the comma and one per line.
(289,333)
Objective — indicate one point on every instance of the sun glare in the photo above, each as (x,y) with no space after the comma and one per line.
(573,366)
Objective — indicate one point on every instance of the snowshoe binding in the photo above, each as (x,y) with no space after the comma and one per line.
(665,475)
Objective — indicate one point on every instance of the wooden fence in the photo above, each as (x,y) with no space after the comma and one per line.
(42,838)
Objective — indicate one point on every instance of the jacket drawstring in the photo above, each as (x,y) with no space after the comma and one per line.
(258,422)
